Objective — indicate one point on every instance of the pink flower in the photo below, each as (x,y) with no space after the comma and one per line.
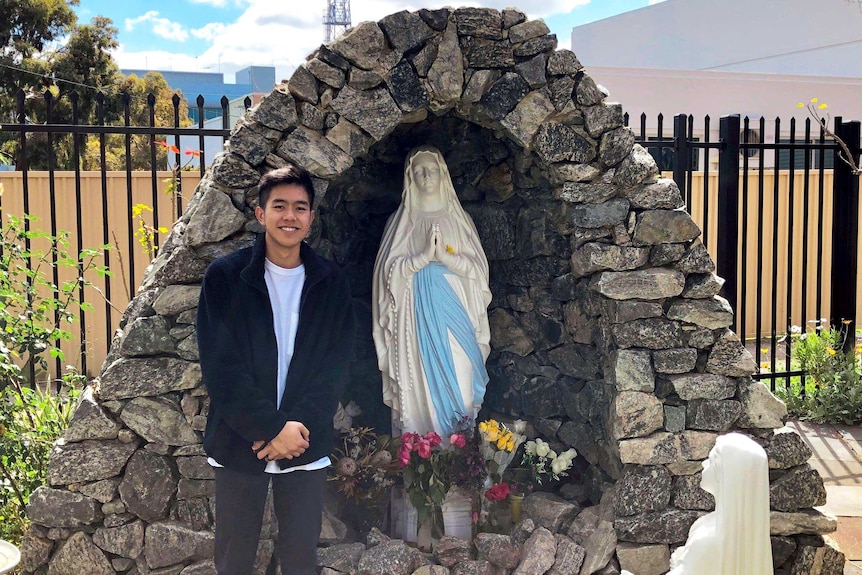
(458,440)
(433,438)
(403,455)
(424,448)
(498,493)
(408,440)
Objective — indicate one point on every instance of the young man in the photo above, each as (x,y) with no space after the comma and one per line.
(275,332)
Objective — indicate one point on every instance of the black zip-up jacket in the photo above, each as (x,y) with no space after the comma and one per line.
(238,357)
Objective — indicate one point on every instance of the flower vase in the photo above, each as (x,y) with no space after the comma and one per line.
(458,515)
(515,502)
(424,539)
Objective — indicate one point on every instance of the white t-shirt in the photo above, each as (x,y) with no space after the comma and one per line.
(285,287)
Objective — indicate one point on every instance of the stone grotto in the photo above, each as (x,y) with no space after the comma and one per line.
(607,331)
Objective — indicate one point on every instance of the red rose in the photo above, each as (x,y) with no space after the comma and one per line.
(433,438)
(498,493)
(458,440)
(424,448)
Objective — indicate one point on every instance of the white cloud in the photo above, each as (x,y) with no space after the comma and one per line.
(262,37)
(209,32)
(161,26)
(218,3)
(651,2)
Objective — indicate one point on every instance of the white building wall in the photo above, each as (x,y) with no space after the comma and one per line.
(803,37)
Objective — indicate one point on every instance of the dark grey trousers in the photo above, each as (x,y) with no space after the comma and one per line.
(240,502)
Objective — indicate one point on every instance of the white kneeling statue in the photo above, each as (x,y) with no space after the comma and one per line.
(430,304)
(733,539)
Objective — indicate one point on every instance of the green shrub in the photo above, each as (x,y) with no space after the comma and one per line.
(832,392)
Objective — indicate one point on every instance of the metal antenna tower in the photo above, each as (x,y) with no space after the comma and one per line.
(336,18)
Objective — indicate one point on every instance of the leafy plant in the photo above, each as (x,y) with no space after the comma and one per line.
(833,390)
(146,233)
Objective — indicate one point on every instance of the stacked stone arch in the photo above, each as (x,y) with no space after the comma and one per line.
(607,331)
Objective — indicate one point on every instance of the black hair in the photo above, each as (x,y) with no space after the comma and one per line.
(289,174)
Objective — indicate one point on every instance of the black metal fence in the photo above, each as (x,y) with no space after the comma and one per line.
(755,199)
(42,140)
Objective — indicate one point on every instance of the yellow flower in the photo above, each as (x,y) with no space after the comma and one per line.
(800,105)
(450,249)
(831,351)
(814,100)
(764,350)
(504,439)
(845,321)
(822,106)
(859,348)
(510,445)
(765,365)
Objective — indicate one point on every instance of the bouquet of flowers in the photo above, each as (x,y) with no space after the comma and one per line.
(497,444)
(544,463)
(426,472)
(365,467)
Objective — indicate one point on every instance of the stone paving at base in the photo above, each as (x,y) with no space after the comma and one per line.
(838,457)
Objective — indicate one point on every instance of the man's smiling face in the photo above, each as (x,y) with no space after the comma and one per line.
(287,218)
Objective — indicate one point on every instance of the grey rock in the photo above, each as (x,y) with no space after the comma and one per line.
(311,116)
(604,118)
(585,193)
(496,231)
(188,348)
(522,123)
(126,540)
(231,171)
(538,553)
(315,153)
(498,549)
(599,547)
(635,414)
(701,338)
(87,461)
(483,55)
(644,559)
(127,378)
(343,557)
(195,513)
(195,467)
(362,45)
(729,357)
(685,467)
(637,168)
(799,522)
(703,386)
(602,215)
(631,370)
(333,530)
(616,145)
(548,510)
(687,494)
(326,73)
(159,420)
(390,558)
(102,491)
(570,556)
(667,526)
(78,555)
(822,560)
(664,254)
(168,543)
(652,283)
(535,46)
(276,110)
(363,79)
(800,488)
(593,257)
(148,486)
(61,508)
(652,333)
(477,567)
(642,488)
(703,286)
(450,551)
(786,450)
(479,22)
(146,336)
(587,92)
(576,360)
(663,448)
(760,409)
(680,360)
(563,63)
(405,30)
(663,194)
(503,95)
(527,31)
(533,72)
(253,141)
(203,568)
(406,88)
(507,334)
(90,421)
(194,488)
(712,313)
(712,414)
(140,306)
(375,111)
(512,16)
(35,550)
(446,76)
(176,299)
(782,549)
(696,260)
(664,227)
(180,266)
(560,143)
(560,90)
(350,138)
(622,311)
(303,85)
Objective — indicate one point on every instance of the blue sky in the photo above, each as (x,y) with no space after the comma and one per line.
(226,35)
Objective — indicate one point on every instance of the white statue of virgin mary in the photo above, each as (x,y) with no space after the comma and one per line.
(430,304)
(733,539)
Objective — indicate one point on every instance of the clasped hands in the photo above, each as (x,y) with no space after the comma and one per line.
(435,249)
(291,441)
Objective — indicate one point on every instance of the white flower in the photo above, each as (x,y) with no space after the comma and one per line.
(559,465)
(795,329)
(530,447)
(552,455)
(542,448)
(519,426)
(569,455)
